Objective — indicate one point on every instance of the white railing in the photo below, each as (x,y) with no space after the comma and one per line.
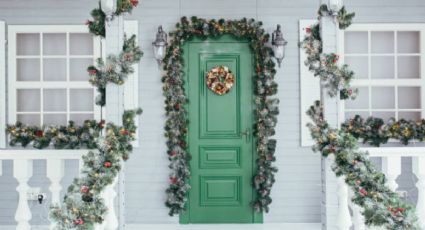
(391,167)
(55,165)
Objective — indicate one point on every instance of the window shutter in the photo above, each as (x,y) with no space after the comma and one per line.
(309,87)
(2,85)
(131,87)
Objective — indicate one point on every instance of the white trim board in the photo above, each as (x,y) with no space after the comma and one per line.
(309,87)
(2,86)
(274,226)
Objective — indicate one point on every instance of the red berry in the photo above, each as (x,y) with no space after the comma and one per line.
(107,164)
(363,192)
(84,189)
(92,71)
(124,132)
(134,2)
(39,133)
(173,180)
(308,30)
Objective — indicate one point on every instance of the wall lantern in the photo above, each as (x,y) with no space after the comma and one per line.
(278,45)
(334,6)
(160,45)
(109,7)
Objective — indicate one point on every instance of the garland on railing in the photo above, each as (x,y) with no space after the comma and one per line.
(97,25)
(83,205)
(375,132)
(115,69)
(177,118)
(62,137)
(335,78)
(381,206)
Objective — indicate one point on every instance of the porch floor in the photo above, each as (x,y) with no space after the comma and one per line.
(277,226)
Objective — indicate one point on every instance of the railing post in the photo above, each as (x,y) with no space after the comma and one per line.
(55,172)
(391,167)
(344,217)
(22,171)
(419,170)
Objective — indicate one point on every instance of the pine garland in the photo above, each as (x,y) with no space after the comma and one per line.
(375,132)
(97,24)
(62,137)
(177,118)
(83,206)
(336,79)
(381,206)
(115,69)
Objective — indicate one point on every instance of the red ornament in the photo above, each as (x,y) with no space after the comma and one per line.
(173,153)
(124,132)
(363,192)
(107,164)
(92,71)
(39,133)
(401,209)
(101,124)
(335,58)
(173,180)
(84,189)
(79,221)
(134,2)
(308,30)
(177,106)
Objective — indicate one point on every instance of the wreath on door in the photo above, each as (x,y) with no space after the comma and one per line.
(220,80)
(176,126)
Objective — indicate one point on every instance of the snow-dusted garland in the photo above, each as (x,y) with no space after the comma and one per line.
(83,206)
(177,118)
(380,205)
(337,79)
(115,69)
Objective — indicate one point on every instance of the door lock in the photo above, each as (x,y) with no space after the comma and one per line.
(247,134)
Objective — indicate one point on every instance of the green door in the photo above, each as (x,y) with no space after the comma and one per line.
(220,134)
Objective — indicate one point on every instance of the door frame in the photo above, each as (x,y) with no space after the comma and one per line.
(257,217)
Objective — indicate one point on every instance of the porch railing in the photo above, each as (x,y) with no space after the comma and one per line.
(349,214)
(55,167)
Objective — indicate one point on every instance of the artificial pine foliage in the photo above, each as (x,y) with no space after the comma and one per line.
(336,79)
(61,137)
(115,69)
(83,206)
(381,206)
(175,101)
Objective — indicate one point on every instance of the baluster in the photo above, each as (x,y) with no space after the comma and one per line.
(391,166)
(22,171)
(344,217)
(55,172)
(419,170)
(358,218)
(1,168)
(111,221)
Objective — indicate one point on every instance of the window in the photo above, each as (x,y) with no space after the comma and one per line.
(388,61)
(47,78)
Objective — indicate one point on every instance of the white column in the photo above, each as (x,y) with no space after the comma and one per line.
(330,106)
(391,166)
(419,170)
(114,111)
(22,171)
(344,217)
(55,172)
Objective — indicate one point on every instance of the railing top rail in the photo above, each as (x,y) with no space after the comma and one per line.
(35,154)
(395,151)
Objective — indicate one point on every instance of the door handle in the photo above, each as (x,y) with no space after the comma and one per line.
(247,134)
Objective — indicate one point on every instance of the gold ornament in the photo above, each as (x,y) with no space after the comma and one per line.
(220,80)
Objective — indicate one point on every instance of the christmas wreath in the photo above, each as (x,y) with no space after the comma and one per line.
(220,80)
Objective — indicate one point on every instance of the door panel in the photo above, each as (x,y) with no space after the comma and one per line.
(222,155)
